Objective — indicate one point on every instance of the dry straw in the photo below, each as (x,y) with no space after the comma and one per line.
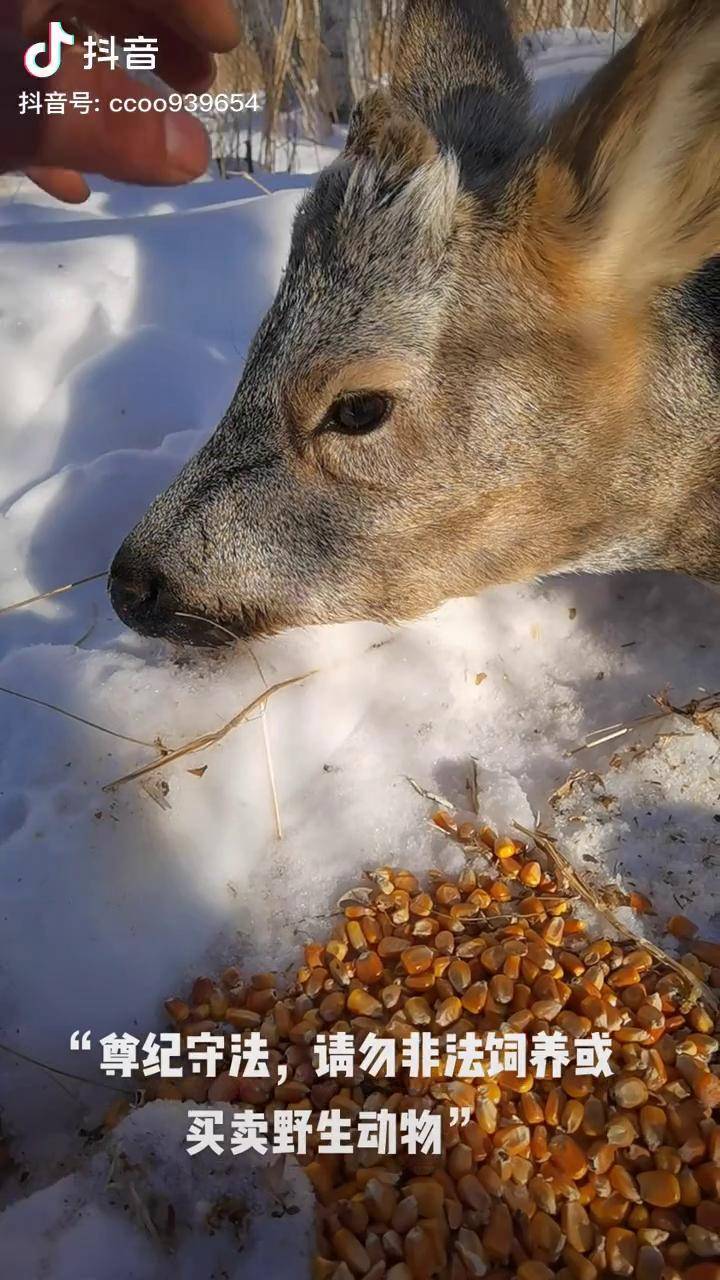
(207,739)
(55,591)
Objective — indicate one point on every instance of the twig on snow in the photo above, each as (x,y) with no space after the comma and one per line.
(263,717)
(56,591)
(69,1075)
(101,728)
(207,739)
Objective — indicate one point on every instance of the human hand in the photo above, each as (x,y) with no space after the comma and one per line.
(152,148)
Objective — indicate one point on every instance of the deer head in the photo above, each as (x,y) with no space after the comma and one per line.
(482,364)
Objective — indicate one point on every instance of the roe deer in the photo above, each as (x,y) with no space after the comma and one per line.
(494,354)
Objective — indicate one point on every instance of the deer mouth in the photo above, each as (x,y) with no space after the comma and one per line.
(151,609)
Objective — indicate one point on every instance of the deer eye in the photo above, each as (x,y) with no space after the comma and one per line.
(358,414)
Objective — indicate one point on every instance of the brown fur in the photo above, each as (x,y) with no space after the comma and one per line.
(642,142)
(525,305)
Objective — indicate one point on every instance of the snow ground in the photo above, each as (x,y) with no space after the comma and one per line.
(122,333)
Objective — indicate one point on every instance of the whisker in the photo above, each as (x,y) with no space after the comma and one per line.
(197,617)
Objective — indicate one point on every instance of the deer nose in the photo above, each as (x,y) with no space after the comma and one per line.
(144,600)
(134,588)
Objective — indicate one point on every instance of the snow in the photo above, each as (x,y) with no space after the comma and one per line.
(651,823)
(562,61)
(122,333)
(294,151)
(143,1166)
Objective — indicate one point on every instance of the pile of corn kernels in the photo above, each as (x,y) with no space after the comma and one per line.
(578,1177)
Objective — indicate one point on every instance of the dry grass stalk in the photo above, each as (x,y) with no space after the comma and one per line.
(68,1075)
(306,69)
(207,739)
(56,591)
(268,752)
(263,714)
(282,46)
(249,178)
(274,48)
(570,876)
(271,775)
(427,795)
(70,715)
(614,731)
(698,710)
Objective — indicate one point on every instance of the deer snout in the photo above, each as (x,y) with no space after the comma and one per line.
(131,586)
(139,594)
(146,600)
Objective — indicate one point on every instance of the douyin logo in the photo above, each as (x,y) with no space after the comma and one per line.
(51,50)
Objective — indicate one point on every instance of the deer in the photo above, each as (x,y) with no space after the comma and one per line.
(494,354)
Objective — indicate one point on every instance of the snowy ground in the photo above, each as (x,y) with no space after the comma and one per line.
(122,332)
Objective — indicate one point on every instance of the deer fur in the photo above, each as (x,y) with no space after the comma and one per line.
(539,306)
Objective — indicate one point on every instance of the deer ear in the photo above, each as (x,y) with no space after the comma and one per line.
(457,68)
(381,127)
(408,169)
(641,146)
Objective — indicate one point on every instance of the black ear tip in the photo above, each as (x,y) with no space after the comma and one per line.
(457,66)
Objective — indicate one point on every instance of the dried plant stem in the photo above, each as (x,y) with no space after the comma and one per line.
(428,795)
(207,739)
(614,731)
(268,752)
(70,715)
(56,591)
(248,177)
(69,1075)
(266,737)
(569,875)
(271,775)
(693,710)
